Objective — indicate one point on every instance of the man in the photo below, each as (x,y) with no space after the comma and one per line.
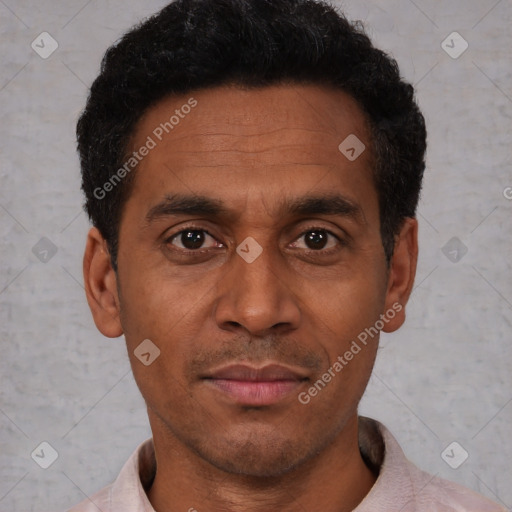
(252,170)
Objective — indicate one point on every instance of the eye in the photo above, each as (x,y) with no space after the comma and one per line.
(194,239)
(317,239)
(191,239)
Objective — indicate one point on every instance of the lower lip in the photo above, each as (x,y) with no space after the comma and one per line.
(256,393)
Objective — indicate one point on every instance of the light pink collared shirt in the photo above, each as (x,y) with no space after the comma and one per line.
(400,486)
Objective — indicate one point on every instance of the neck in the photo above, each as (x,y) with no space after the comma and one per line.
(335,480)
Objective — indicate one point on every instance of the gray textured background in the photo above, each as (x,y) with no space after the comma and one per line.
(445,376)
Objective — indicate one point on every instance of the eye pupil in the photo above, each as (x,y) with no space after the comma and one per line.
(316,239)
(192,239)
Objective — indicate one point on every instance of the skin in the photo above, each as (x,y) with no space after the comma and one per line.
(297,304)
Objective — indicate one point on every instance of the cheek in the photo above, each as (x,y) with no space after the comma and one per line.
(157,331)
(345,327)
(346,332)
(155,306)
(345,307)
(165,312)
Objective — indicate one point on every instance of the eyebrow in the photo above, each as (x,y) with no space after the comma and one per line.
(325,204)
(179,204)
(331,204)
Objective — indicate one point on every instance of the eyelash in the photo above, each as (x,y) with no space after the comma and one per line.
(342,243)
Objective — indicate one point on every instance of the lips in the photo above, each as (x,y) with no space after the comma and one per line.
(268,373)
(252,386)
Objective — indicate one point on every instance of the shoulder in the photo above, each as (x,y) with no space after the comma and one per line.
(99,501)
(403,486)
(436,494)
(127,492)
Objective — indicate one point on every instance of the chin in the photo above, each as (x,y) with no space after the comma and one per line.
(254,460)
(257,454)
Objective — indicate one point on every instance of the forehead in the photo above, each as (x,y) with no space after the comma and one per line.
(260,114)
(251,143)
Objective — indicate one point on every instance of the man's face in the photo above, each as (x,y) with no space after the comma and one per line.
(320,280)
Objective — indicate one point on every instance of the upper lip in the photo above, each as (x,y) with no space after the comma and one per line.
(267,373)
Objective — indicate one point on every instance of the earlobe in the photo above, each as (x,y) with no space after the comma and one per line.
(101,285)
(401,273)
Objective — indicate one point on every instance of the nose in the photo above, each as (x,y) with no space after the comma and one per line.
(257,296)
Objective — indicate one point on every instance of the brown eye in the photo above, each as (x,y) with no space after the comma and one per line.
(191,239)
(316,240)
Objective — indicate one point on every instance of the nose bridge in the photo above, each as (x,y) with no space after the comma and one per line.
(255,294)
(255,265)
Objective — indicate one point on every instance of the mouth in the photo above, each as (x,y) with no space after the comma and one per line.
(251,386)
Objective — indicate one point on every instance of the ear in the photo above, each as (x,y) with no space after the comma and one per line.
(401,273)
(101,285)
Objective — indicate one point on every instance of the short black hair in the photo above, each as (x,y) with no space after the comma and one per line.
(198,44)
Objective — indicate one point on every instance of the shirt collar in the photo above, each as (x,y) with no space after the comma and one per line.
(393,489)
